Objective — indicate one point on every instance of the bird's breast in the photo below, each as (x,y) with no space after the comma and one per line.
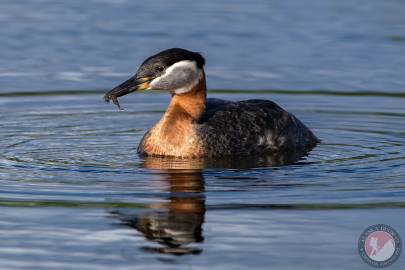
(177,140)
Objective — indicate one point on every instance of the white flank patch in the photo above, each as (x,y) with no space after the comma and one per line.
(180,77)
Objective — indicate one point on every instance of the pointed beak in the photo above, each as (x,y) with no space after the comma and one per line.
(131,85)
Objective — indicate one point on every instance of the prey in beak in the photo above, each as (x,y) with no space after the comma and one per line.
(131,85)
(172,70)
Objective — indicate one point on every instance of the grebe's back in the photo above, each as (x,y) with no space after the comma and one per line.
(251,127)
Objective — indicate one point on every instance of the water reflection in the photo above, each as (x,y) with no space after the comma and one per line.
(177,223)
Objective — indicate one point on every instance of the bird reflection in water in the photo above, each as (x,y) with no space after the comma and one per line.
(177,223)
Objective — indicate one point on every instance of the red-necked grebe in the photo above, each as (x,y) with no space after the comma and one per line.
(194,126)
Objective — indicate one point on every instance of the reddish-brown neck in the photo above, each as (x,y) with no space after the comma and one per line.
(174,134)
(190,104)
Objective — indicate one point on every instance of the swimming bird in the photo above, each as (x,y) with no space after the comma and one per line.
(196,126)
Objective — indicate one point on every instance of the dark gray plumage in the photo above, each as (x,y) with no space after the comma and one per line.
(251,127)
(225,128)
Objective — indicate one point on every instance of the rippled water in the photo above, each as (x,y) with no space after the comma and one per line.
(72,183)
(75,195)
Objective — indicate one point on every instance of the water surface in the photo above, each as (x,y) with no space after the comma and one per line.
(75,195)
(73,184)
(294,44)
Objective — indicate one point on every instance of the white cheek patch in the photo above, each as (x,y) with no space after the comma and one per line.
(180,77)
(188,87)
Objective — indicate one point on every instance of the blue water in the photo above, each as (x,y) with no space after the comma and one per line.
(294,44)
(75,195)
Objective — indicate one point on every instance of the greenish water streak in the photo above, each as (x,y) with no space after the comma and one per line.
(304,206)
(219,91)
(70,204)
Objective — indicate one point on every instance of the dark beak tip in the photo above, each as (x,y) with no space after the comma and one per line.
(112,97)
(107,98)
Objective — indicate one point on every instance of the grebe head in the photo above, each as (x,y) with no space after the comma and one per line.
(176,70)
